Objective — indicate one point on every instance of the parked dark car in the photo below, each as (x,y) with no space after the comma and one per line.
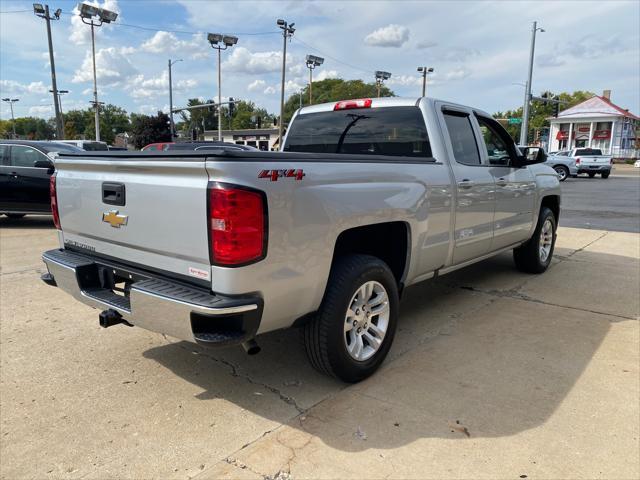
(206,145)
(25,168)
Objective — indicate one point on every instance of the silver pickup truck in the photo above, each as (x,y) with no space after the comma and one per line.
(367,197)
(580,160)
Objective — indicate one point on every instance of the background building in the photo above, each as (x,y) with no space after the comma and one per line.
(261,138)
(596,123)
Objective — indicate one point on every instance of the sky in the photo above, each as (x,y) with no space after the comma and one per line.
(479,50)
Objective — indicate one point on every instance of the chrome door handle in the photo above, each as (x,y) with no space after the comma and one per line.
(466,183)
(501,182)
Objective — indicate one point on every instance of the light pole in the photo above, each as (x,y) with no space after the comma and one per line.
(287,32)
(424,71)
(380,78)
(527,91)
(43,12)
(88,13)
(11,101)
(173,129)
(312,63)
(59,94)
(227,41)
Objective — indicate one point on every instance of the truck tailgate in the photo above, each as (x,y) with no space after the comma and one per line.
(160,221)
(594,160)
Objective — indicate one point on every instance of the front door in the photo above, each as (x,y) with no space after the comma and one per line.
(475,189)
(28,184)
(515,186)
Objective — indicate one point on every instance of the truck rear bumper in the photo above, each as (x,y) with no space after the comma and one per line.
(154,302)
(594,168)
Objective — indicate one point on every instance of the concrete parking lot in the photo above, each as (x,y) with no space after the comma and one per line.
(493,374)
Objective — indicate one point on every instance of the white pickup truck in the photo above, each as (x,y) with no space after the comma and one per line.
(368,197)
(580,160)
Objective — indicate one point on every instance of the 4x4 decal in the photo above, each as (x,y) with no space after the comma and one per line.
(275,174)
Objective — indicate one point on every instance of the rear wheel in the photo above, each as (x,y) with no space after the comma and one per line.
(606,174)
(562,171)
(535,255)
(15,216)
(352,332)
(592,174)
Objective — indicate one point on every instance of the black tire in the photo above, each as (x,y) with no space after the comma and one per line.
(606,174)
(591,174)
(15,216)
(562,171)
(527,257)
(324,336)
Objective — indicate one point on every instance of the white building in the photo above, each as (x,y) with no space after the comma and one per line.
(596,123)
(261,138)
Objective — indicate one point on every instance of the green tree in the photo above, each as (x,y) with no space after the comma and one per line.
(76,122)
(33,128)
(332,90)
(147,129)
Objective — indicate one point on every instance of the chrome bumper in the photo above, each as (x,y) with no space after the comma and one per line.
(155,303)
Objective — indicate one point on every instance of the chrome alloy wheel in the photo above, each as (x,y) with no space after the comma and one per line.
(366,321)
(546,239)
(562,173)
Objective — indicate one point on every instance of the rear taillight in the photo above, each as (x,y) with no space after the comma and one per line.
(53,196)
(577,161)
(237,225)
(349,104)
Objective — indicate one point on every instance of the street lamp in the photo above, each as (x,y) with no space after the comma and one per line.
(59,95)
(312,63)
(173,130)
(11,101)
(227,41)
(380,78)
(43,12)
(424,71)
(287,32)
(527,93)
(95,17)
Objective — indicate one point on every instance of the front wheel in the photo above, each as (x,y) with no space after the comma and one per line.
(535,255)
(562,171)
(606,174)
(352,331)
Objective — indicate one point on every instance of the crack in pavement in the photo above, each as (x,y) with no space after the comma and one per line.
(235,372)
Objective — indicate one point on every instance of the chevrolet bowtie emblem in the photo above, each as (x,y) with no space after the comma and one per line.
(112,218)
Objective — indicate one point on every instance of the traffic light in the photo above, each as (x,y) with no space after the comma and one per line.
(232,107)
(556,108)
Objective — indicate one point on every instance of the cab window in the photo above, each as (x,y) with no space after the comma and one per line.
(463,141)
(22,156)
(497,145)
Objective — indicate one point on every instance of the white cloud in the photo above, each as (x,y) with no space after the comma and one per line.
(457,74)
(113,68)
(426,44)
(11,87)
(40,110)
(256,85)
(390,36)
(405,80)
(324,74)
(80,34)
(242,60)
(153,87)
(167,42)
(270,90)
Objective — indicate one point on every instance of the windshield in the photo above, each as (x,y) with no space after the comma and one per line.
(94,146)
(394,131)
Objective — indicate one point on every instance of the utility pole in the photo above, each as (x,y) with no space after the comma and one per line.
(43,12)
(59,94)
(287,32)
(87,14)
(527,93)
(380,78)
(228,41)
(424,71)
(173,129)
(11,101)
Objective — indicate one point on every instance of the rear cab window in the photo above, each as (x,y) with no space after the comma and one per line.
(391,131)
(588,151)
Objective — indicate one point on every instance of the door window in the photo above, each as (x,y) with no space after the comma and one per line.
(463,141)
(4,154)
(22,156)
(498,148)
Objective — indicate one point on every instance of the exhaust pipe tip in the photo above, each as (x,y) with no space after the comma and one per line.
(251,347)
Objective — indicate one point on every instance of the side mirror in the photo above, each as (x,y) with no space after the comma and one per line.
(531,155)
(44,164)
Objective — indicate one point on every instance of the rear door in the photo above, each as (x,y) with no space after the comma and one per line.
(475,189)
(5,197)
(515,186)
